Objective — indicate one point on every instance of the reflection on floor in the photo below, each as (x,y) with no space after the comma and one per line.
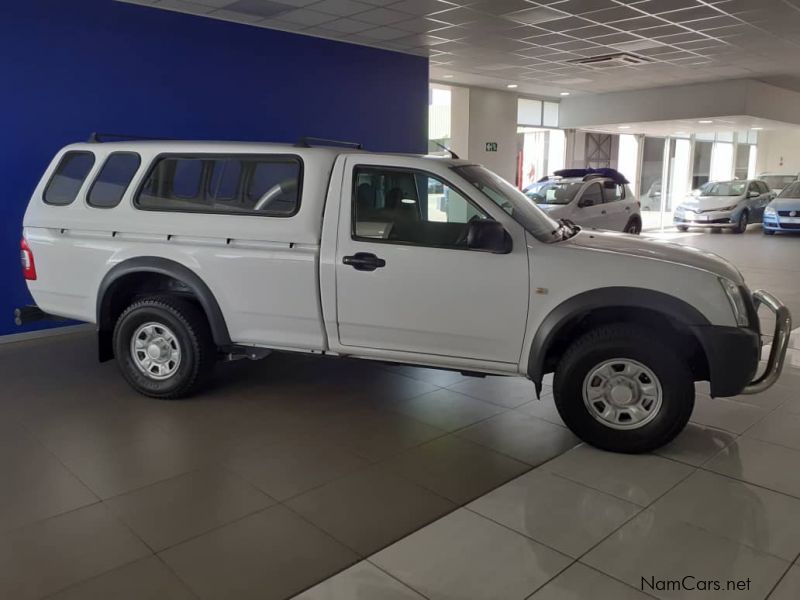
(385,482)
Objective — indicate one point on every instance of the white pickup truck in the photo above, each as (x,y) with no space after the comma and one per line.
(183,253)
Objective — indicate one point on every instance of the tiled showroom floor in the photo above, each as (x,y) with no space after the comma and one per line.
(294,470)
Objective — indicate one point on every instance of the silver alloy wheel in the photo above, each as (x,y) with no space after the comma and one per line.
(622,394)
(155,350)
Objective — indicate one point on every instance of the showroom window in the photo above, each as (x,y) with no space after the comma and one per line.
(257,185)
(409,207)
(114,178)
(68,178)
(536,113)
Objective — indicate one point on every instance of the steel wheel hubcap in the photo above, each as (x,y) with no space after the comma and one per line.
(622,394)
(155,350)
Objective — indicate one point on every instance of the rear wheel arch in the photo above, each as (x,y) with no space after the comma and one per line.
(670,316)
(151,274)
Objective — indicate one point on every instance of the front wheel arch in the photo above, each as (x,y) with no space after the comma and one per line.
(672,316)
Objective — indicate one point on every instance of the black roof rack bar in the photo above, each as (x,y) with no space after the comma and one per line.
(446,149)
(308,142)
(97,138)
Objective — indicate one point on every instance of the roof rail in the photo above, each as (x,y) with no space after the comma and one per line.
(98,138)
(587,174)
(308,142)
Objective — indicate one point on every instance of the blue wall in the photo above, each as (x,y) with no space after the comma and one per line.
(69,68)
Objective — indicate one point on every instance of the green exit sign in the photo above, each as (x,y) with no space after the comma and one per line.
(491,146)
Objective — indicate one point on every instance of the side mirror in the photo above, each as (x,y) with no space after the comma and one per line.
(488,235)
(585,202)
(753,194)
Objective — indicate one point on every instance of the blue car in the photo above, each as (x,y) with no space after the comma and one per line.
(783,213)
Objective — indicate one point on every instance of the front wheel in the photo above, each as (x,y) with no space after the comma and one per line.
(164,347)
(768,231)
(620,389)
(741,225)
(682,228)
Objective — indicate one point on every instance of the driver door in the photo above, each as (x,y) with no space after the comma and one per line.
(591,210)
(406,280)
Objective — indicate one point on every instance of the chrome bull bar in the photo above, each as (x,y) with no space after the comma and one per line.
(780,342)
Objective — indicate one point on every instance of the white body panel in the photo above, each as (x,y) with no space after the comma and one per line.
(281,283)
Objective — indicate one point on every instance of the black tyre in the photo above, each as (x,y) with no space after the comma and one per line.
(682,228)
(164,347)
(634,226)
(741,225)
(768,231)
(620,389)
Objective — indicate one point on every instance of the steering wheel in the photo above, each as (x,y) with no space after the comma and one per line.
(461,240)
(270,195)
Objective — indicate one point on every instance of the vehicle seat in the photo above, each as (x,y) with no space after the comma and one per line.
(365,201)
(560,195)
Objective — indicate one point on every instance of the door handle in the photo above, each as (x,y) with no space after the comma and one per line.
(627,208)
(602,212)
(364,261)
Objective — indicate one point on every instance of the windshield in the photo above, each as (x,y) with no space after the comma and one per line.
(553,192)
(778,182)
(792,190)
(521,208)
(723,188)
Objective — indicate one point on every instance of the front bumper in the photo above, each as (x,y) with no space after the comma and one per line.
(775,223)
(780,342)
(733,353)
(720,219)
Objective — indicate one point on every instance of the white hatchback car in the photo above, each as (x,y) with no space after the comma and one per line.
(595,198)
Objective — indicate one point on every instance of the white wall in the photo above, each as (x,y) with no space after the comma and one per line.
(459,121)
(493,118)
(778,151)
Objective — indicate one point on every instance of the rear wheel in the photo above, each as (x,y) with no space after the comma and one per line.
(620,389)
(634,226)
(741,225)
(164,347)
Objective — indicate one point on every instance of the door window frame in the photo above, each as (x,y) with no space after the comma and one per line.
(412,171)
(585,189)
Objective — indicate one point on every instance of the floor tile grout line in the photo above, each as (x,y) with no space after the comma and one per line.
(578,562)
(778,582)
(644,508)
(389,573)
(177,576)
(519,533)
(456,507)
(750,483)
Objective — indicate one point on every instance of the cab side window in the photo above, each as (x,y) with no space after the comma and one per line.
(753,188)
(592,195)
(410,207)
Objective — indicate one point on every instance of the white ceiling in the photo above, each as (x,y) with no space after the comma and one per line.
(530,43)
(685,127)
